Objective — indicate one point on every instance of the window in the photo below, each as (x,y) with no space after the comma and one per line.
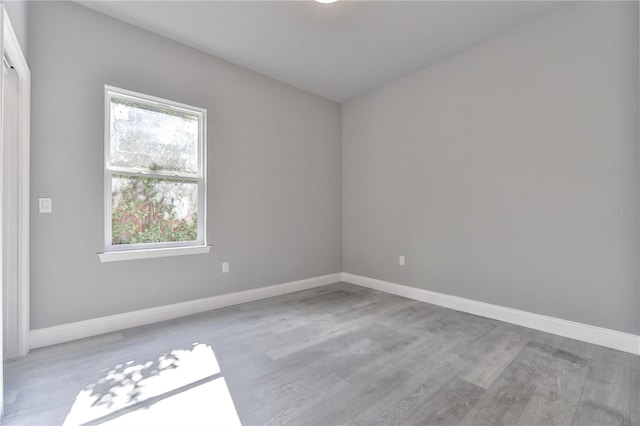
(154,173)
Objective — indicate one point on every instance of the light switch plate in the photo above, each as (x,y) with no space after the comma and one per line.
(45,205)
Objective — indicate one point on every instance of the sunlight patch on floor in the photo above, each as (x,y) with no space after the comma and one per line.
(183,380)
(207,404)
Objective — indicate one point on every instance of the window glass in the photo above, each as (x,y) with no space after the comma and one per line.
(154,172)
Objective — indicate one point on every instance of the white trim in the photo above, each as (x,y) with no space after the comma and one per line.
(591,334)
(587,333)
(3,13)
(116,256)
(12,50)
(93,327)
(155,100)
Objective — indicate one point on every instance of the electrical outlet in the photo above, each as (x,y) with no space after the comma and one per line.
(225,267)
(401,260)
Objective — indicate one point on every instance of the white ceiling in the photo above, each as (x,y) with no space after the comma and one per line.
(339,50)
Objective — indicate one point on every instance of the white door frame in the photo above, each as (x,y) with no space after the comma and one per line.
(11,50)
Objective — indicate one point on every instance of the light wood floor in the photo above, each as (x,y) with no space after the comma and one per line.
(339,354)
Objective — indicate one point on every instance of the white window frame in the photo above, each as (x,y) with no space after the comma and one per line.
(145,250)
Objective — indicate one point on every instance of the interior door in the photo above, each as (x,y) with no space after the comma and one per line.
(10,216)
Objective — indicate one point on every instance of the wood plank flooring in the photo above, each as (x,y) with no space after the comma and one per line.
(335,355)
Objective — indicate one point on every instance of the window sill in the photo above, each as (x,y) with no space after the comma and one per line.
(116,256)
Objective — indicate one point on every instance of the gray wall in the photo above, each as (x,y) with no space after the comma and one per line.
(17,11)
(274,168)
(493,171)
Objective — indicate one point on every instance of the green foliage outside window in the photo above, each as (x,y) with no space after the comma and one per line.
(142,215)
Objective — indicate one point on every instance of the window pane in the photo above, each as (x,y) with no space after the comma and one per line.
(152,210)
(153,138)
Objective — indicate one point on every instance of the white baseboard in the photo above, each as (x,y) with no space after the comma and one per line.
(587,333)
(67,332)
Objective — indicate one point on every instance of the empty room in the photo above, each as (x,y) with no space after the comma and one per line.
(320,212)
